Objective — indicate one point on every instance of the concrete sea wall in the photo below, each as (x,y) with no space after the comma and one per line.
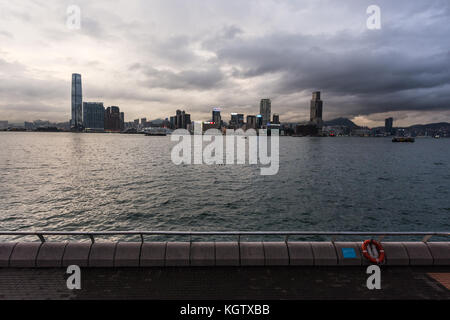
(153,254)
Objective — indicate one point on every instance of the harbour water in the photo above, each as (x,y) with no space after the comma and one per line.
(96,182)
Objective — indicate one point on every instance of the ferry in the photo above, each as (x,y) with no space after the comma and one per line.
(156,131)
(403,139)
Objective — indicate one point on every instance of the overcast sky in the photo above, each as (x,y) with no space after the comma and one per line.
(153,57)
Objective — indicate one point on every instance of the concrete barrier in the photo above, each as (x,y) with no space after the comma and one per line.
(153,254)
(76,253)
(395,254)
(252,253)
(102,254)
(227,254)
(203,254)
(324,254)
(418,253)
(127,254)
(51,254)
(440,252)
(24,254)
(6,249)
(276,254)
(178,254)
(348,253)
(300,254)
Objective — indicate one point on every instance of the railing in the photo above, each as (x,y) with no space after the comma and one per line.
(334,234)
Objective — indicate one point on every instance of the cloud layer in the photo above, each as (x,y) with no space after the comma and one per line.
(152,57)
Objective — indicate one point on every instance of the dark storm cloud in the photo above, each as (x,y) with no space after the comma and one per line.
(230,53)
(378,75)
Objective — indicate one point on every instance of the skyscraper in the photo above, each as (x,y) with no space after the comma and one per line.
(388,124)
(259,121)
(114,119)
(94,116)
(264,111)
(316,109)
(76,123)
(181,120)
(276,118)
(216,118)
(251,122)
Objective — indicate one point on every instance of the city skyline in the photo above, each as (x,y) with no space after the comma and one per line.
(139,57)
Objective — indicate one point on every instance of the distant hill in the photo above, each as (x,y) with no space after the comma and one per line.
(157,121)
(432,126)
(341,122)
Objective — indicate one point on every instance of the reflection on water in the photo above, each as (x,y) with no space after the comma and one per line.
(66,181)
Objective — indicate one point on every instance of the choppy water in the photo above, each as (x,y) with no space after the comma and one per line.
(66,181)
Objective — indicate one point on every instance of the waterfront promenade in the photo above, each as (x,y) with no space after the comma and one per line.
(229,283)
(221,270)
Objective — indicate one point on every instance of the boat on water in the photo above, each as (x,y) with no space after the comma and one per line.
(160,134)
(156,131)
(403,139)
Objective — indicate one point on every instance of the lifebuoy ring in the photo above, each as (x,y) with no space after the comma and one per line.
(380,250)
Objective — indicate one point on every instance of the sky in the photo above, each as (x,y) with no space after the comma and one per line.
(153,57)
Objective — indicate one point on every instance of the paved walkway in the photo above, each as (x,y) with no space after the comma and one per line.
(239,283)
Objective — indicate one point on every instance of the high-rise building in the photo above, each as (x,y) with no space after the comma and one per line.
(388,124)
(234,119)
(76,123)
(316,109)
(251,122)
(264,111)
(259,121)
(93,115)
(178,121)
(216,118)
(114,119)
(181,120)
(237,120)
(276,118)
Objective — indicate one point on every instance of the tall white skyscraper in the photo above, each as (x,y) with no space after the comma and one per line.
(76,123)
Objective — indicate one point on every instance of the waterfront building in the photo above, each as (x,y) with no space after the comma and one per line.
(136,123)
(276,118)
(178,121)
(181,120)
(316,110)
(216,117)
(240,120)
(208,125)
(259,121)
(28,125)
(306,129)
(237,120)
(251,122)
(114,119)
(76,123)
(388,125)
(264,110)
(93,116)
(3,125)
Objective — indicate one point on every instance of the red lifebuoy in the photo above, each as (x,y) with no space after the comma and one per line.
(367,254)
